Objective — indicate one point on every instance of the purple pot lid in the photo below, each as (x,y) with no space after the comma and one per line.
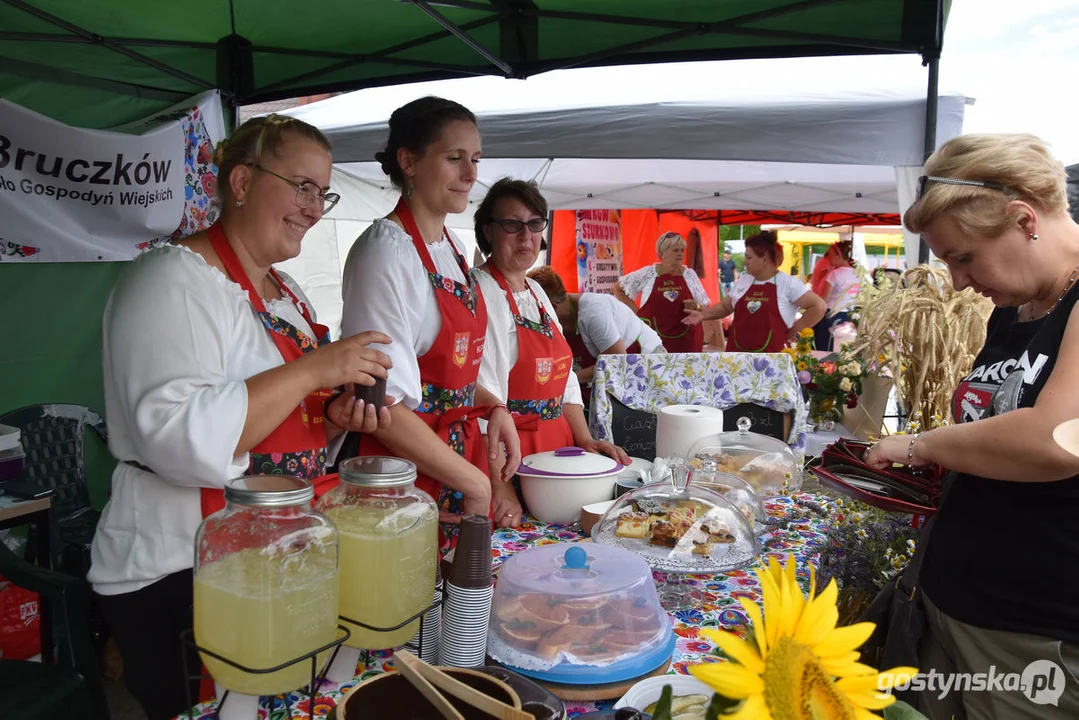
(569,462)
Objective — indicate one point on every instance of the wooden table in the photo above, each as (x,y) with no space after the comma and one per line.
(15,512)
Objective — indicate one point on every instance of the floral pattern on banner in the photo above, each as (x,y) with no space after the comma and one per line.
(798,533)
(15,250)
(200,180)
(720,380)
(549,409)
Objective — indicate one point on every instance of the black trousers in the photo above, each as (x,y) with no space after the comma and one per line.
(147,625)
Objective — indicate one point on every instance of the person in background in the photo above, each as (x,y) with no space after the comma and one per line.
(527,362)
(994,208)
(214,368)
(835,280)
(765,302)
(667,289)
(406,276)
(595,324)
(728,273)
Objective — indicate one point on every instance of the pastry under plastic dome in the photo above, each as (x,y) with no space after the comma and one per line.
(767,464)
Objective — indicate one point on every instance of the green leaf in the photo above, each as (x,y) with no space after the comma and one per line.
(901,711)
(719,706)
(663,706)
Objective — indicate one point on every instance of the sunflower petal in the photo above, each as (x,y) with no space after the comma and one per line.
(843,640)
(866,691)
(846,665)
(756,620)
(754,708)
(728,679)
(812,582)
(819,617)
(736,648)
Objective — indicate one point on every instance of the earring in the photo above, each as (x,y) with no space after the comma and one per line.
(1034,236)
(409,192)
(239,203)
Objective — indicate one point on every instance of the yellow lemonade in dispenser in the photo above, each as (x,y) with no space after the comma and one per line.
(259,609)
(387,571)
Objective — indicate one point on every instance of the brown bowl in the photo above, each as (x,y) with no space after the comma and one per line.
(391,695)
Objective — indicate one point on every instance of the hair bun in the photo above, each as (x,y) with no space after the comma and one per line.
(219,152)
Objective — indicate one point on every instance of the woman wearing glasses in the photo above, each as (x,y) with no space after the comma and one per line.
(667,289)
(406,276)
(526,361)
(994,208)
(214,368)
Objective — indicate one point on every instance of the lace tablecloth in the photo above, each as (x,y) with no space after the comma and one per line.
(719,380)
(798,533)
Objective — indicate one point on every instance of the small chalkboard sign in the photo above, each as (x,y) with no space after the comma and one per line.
(765,420)
(634,430)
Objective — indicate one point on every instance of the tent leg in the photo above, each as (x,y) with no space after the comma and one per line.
(933,61)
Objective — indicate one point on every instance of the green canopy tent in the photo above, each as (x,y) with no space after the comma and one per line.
(103,63)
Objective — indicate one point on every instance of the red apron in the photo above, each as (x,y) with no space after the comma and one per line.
(758,326)
(448,372)
(538,379)
(664,312)
(298,445)
(583,359)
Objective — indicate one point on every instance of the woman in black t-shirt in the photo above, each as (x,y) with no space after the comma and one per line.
(1002,601)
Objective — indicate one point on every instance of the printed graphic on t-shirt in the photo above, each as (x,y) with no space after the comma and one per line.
(995,388)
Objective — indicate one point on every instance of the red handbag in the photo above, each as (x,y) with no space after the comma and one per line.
(841,467)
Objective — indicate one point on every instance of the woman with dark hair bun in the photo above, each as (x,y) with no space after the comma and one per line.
(765,302)
(406,276)
(835,280)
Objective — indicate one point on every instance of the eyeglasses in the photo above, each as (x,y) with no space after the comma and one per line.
(306,192)
(926,179)
(513,227)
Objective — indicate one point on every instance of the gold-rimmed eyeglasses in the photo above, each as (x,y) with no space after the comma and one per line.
(307,192)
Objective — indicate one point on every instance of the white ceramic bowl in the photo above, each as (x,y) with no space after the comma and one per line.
(557,484)
(647,691)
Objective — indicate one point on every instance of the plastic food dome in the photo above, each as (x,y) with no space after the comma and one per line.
(767,464)
(690,530)
(578,614)
(740,493)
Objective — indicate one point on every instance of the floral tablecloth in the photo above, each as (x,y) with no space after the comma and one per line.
(719,380)
(799,534)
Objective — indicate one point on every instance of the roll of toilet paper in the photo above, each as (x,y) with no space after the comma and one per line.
(678,427)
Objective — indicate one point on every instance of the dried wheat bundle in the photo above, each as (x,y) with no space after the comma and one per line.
(926,333)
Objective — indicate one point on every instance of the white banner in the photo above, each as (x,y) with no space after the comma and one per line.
(73,195)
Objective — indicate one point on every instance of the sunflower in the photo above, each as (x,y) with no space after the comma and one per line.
(798,666)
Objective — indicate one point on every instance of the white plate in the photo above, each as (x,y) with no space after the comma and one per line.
(647,691)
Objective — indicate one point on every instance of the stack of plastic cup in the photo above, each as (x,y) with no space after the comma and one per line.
(469,590)
(427,639)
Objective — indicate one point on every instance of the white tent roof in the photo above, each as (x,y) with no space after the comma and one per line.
(710,142)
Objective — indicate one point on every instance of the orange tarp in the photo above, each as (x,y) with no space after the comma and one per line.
(640,230)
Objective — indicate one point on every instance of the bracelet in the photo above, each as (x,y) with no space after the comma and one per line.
(910,451)
(495,407)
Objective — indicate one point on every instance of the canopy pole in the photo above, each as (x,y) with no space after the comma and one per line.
(932,91)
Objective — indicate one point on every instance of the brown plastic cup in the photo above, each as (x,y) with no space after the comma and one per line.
(472,556)
(372,394)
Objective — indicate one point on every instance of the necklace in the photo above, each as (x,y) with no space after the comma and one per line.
(1067,287)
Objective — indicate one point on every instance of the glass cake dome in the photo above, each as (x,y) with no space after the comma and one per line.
(768,465)
(689,529)
(578,614)
(741,494)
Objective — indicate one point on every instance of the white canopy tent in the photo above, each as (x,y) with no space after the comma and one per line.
(739,149)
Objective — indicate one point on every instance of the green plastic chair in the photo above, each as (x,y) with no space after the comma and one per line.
(72,687)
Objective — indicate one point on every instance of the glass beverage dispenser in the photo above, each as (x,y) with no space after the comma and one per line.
(389,548)
(266,588)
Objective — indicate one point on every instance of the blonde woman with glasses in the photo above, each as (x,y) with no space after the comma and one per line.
(997,572)
(215,367)
(667,291)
